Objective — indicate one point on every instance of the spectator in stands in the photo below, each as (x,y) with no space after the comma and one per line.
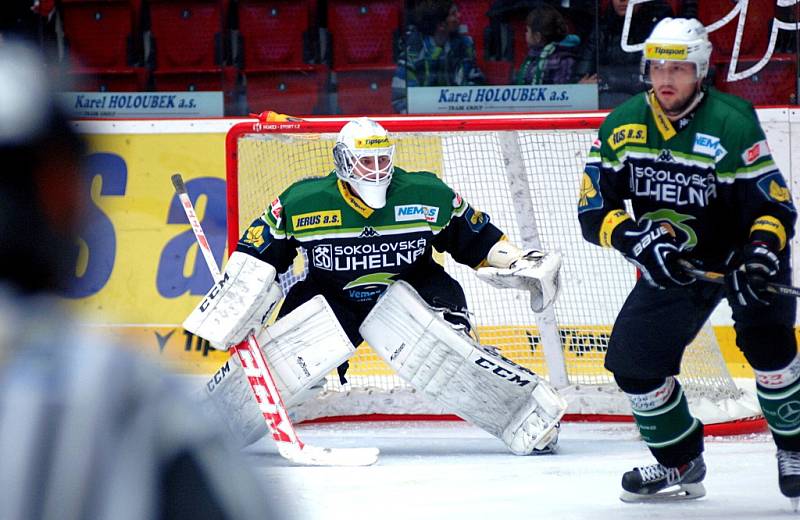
(618,70)
(435,53)
(87,430)
(551,50)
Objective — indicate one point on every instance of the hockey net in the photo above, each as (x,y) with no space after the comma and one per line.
(524,172)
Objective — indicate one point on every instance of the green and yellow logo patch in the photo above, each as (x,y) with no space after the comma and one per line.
(778,192)
(254,236)
(588,190)
(676,225)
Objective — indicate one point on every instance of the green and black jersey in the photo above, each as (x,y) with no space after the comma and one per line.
(710,177)
(354,252)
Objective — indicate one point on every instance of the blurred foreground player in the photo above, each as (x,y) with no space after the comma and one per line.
(87,430)
(703,186)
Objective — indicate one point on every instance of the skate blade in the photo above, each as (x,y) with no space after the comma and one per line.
(682,492)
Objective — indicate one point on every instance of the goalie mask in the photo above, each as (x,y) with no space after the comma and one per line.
(678,39)
(364,158)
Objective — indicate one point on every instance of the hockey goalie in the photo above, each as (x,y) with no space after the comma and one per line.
(368,230)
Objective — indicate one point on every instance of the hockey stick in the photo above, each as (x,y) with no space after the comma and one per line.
(714,277)
(263,385)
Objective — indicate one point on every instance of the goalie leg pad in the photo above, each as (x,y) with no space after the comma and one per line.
(237,304)
(469,379)
(227,397)
(303,346)
(300,348)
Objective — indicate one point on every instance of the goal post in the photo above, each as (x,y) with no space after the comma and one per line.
(524,171)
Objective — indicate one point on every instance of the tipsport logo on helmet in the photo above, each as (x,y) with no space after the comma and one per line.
(664,51)
(375,141)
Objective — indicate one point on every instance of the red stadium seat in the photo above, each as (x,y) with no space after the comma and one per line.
(102,33)
(188,34)
(132,79)
(364,32)
(276,34)
(757,28)
(775,84)
(297,92)
(195,80)
(498,72)
(365,92)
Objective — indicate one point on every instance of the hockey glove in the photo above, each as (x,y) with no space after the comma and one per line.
(746,285)
(653,250)
(532,270)
(237,304)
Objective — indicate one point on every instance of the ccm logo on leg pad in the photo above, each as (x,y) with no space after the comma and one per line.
(501,372)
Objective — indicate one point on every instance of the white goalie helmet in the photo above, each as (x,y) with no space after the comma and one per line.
(678,39)
(364,158)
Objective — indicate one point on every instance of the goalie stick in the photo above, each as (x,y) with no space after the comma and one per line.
(263,385)
(714,277)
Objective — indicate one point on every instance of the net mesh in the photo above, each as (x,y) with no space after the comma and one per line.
(535,203)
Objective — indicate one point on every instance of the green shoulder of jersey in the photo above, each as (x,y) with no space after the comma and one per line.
(726,132)
(325,205)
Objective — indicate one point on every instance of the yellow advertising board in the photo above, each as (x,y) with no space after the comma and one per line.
(139,272)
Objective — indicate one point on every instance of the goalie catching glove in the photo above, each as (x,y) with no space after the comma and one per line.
(238,304)
(532,270)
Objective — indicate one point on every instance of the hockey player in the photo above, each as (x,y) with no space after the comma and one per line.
(696,167)
(368,230)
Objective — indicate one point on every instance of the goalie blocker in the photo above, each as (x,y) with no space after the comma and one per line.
(300,348)
(238,304)
(484,388)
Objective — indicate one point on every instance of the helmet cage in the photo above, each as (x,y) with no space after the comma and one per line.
(364,166)
(364,158)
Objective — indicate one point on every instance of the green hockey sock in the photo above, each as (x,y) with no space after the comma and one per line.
(781,407)
(663,415)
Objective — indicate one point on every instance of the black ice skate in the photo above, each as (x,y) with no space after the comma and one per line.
(658,482)
(789,475)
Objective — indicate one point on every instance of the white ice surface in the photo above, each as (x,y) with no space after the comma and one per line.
(450,470)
